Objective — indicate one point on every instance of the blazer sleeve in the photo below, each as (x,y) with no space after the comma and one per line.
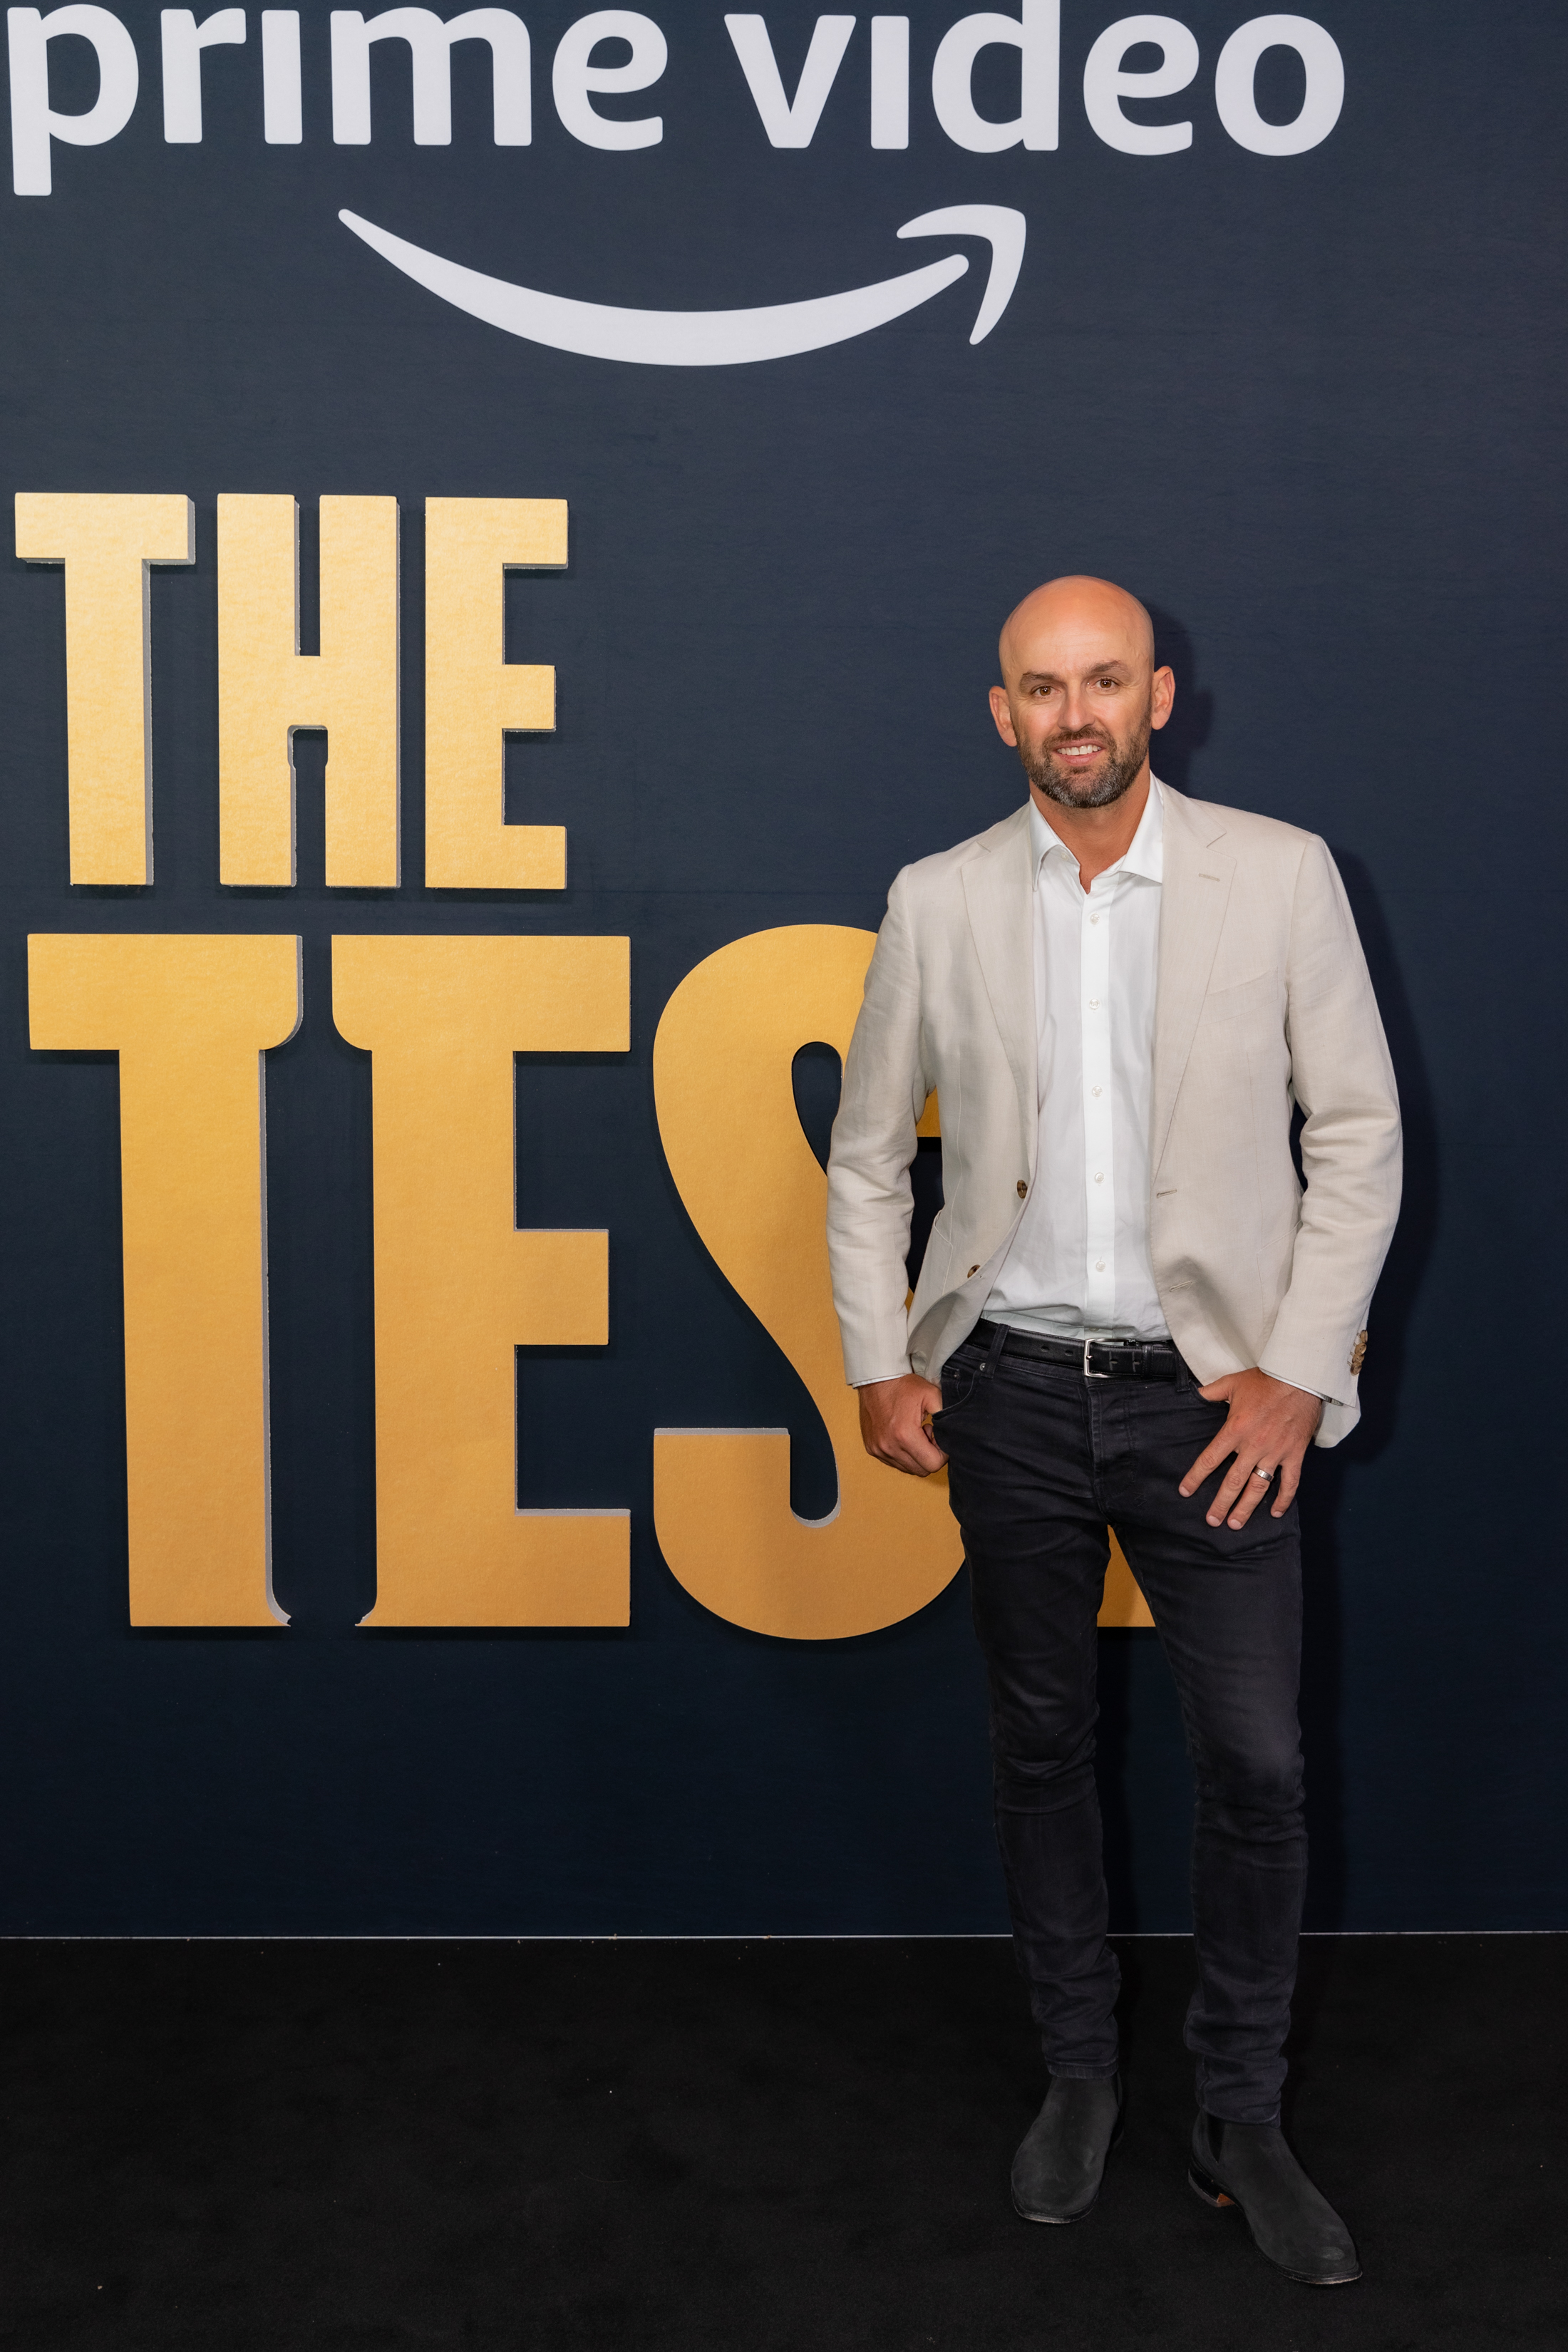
(1343,1081)
(869,1198)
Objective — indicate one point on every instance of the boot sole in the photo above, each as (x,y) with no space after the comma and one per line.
(1204,2186)
(1065,2220)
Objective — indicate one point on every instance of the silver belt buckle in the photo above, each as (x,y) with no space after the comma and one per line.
(1087,1373)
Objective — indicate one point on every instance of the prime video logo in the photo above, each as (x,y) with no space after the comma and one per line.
(616,52)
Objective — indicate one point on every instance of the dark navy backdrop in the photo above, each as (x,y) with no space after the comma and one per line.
(1312,410)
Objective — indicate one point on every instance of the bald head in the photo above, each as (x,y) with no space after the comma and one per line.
(1078,606)
(1080,692)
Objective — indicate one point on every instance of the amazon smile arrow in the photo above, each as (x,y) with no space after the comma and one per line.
(719,338)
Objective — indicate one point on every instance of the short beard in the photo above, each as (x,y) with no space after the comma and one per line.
(1124,764)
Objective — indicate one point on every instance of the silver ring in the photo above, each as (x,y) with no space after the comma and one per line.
(1267,1477)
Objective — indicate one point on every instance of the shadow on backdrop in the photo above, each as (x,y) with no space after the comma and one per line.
(1145,1860)
(1322,1569)
(1191,721)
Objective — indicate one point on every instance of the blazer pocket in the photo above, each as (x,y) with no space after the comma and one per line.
(1244,999)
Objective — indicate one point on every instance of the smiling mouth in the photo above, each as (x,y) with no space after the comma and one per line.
(1079,752)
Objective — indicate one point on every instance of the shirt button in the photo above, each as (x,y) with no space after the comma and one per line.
(1095,1092)
(1099,1266)
(1023,1188)
(1100,1176)
(1094,919)
(1094,1004)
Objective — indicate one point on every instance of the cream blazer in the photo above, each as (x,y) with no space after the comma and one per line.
(1264,1005)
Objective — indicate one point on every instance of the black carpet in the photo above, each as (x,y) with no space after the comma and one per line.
(758,2145)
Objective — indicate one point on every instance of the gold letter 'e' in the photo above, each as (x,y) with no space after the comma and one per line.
(190,1018)
(107,543)
(267,688)
(473,697)
(459,1288)
(752,1186)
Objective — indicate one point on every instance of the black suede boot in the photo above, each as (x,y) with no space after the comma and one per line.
(1251,2166)
(1058,2167)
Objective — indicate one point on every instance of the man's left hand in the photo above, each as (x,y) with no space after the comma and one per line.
(1269,1428)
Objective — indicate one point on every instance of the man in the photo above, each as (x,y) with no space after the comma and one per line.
(1119,996)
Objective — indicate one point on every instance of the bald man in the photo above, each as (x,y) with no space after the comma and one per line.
(1129,1312)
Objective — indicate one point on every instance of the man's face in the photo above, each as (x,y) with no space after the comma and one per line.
(1081,698)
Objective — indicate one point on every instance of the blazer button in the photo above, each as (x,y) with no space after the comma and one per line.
(1023,1188)
(971,1275)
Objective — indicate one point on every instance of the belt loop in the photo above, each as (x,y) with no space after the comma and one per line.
(998,1341)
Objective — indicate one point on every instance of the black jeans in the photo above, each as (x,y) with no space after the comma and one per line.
(1040,1459)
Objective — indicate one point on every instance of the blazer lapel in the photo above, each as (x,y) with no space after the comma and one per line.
(1193,895)
(1000,901)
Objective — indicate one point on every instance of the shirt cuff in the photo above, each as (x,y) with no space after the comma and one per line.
(1300,1387)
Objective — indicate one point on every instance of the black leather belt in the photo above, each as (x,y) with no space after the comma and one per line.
(1096,1360)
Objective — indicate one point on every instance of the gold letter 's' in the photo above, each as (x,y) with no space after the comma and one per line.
(1122,1603)
(459,1288)
(473,697)
(266,689)
(107,542)
(190,1018)
(722,1082)
(721,1065)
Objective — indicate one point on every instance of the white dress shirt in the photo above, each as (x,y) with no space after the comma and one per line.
(1079,1262)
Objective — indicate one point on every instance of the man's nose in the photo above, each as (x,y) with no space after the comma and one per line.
(1076,712)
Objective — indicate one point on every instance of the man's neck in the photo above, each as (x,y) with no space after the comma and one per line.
(1097,837)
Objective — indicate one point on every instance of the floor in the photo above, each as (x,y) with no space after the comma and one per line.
(752,2145)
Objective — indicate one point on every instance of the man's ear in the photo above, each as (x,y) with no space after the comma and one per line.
(1162,698)
(1001,713)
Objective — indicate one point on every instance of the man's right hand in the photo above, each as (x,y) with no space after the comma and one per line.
(895,1418)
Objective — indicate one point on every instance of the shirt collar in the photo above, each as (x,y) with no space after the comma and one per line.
(1145,856)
